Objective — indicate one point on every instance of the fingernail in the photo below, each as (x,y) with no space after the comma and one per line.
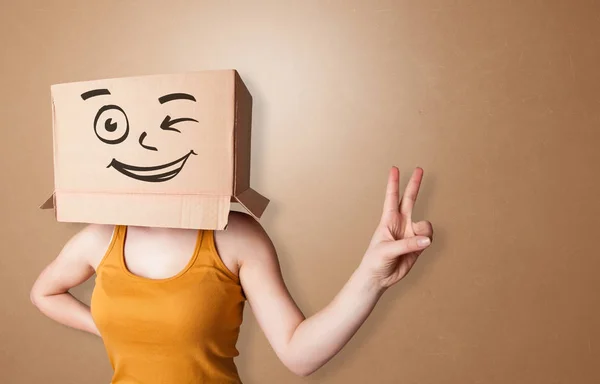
(424,242)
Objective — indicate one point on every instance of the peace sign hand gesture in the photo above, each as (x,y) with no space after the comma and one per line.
(397,241)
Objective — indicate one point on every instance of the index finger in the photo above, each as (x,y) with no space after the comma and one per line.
(411,192)
(392,191)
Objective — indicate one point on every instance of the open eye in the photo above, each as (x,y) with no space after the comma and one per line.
(111,124)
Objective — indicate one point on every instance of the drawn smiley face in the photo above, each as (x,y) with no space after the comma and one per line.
(111,126)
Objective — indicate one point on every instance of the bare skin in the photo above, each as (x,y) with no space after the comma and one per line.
(302,344)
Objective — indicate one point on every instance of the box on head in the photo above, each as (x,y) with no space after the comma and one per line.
(167,150)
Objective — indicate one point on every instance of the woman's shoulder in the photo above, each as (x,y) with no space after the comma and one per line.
(243,237)
(242,227)
(95,235)
(91,242)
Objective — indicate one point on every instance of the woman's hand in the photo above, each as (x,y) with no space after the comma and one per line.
(397,241)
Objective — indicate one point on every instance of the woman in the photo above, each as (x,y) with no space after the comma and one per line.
(166,317)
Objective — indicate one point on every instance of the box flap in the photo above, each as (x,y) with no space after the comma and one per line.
(254,202)
(149,210)
(49,203)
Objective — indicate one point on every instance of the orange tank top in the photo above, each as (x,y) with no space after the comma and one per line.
(178,330)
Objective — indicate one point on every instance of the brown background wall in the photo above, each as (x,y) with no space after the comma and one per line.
(497,100)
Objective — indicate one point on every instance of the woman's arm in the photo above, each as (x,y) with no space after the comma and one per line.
(73,266)
(304,345)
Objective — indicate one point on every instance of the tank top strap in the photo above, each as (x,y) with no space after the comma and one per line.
(208,255)
(202,249)
(112,256)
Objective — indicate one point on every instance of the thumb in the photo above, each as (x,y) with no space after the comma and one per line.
(397,248)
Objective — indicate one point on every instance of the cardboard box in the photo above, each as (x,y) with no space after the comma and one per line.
(160,151)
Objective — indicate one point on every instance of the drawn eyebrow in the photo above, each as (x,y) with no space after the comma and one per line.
(175,96)
(94,92)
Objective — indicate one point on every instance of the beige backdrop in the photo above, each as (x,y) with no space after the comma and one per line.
(498,101)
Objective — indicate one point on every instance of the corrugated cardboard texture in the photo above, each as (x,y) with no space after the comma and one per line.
(173,211)
(496,100)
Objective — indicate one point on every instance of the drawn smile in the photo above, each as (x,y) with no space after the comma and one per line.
(153,174)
